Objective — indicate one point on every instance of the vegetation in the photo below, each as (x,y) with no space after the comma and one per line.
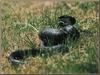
(22,21)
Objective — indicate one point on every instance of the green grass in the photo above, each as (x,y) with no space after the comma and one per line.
(20,30)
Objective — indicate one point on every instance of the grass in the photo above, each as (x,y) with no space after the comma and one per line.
(20,26)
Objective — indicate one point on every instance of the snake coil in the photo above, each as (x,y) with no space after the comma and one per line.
(53,40)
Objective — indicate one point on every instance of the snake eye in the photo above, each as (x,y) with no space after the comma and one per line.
(61,23)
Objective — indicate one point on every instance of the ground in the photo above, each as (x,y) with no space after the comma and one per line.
(21,21)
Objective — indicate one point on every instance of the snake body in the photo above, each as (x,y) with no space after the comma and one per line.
(52,41)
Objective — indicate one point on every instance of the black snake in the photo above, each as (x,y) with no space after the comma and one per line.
(53,40)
